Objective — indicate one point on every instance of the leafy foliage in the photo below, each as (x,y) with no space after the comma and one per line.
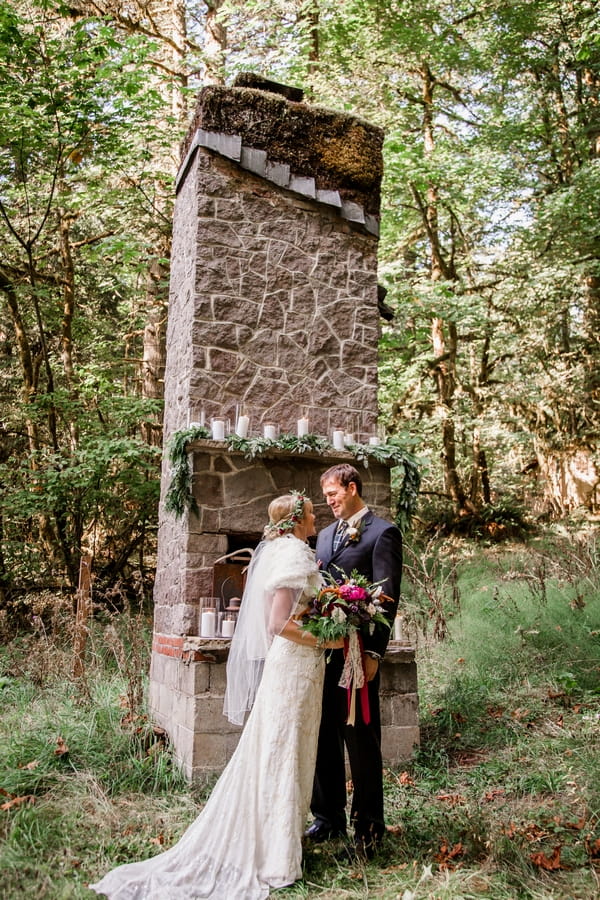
(179,496)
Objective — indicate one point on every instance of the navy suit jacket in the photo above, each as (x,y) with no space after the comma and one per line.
(378,556)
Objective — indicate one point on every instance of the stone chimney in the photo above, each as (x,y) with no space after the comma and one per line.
(273,311)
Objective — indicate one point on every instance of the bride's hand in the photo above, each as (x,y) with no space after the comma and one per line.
(333,645)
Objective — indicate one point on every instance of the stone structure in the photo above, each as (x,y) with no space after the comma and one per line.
(273,312)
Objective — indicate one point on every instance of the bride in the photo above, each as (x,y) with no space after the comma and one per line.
(247,839)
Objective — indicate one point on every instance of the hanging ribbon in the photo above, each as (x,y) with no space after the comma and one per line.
(353,678)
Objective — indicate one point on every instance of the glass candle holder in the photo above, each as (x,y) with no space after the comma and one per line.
(219,427)
(242,426)
(228,624)
(338,438)
(270,431)
(302,426)
(208,617)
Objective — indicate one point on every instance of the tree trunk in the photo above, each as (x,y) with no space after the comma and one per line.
(571,478)
(215,44)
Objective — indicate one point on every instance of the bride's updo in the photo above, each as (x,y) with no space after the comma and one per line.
(284,514)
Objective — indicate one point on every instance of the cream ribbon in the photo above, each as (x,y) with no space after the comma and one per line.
(353,674)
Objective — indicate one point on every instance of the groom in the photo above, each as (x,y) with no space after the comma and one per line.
(371,545)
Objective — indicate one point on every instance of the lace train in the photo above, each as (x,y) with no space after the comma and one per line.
(247,839)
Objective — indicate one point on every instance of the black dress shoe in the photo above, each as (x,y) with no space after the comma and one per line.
(366,847)
(319,832)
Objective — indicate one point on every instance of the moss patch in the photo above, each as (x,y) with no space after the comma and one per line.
(341,152)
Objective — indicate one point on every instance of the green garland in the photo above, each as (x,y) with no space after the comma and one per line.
(179,496)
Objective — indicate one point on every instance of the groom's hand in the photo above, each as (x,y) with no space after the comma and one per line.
(370,666)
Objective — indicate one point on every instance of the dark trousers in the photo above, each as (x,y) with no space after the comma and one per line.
(363,743)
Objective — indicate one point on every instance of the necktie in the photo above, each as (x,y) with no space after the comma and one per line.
(339,536)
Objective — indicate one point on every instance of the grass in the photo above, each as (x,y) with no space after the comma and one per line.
(502,800)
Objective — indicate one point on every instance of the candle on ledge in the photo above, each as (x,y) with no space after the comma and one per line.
(302,426)
(241,428)
(218,429)
(270,431)
(349,438)
(228,627)
(373,440)
(338,439)
(398,622)
(208,625)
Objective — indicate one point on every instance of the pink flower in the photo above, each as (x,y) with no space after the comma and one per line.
(350,592)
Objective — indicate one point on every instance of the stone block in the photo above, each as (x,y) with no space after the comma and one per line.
(398,744)
(330,198)
(182,739)
(254,160)
(353,212)
(303,185)
(372,224)
(229,145)
(218,679)
(209,752)
(399,709)
(398,677)
(193,678)
(208,716)
(278,173)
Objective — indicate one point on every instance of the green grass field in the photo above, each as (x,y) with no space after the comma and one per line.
(501,801)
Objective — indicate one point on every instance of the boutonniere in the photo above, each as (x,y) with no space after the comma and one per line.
(353,532)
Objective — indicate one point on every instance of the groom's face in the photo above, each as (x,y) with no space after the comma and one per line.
(343,501)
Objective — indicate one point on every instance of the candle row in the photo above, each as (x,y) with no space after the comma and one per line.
(340,438)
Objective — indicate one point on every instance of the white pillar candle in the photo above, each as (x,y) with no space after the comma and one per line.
(270,431)
(349,438)
(209,623)
(218,429)
(373,440)
(241,428)
(398,622)
(302,426)
(338,439)
(228,627)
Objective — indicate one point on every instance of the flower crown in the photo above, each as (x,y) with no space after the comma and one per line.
(277,529)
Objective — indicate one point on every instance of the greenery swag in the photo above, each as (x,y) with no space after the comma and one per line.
(179,496)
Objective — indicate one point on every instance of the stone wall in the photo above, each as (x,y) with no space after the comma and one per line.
(280,294)
(188,687)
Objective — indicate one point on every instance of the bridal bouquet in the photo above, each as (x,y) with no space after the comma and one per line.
(348,608)
(343,607)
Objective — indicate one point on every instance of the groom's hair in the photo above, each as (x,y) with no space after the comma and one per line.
(345,474)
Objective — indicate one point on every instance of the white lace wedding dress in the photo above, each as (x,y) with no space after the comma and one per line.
(247,839)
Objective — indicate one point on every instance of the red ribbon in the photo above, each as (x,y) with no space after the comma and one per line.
(363,691)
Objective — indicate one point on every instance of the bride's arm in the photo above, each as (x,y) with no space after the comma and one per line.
(280,622)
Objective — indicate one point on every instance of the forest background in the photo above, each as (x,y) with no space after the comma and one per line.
(489,251)
(489,374)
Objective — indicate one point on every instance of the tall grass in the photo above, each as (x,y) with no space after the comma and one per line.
(501,801)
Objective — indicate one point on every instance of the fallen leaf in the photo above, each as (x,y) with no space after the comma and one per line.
(447,854)
(61,748)
(31,765)
(404,778)
(18,801)
(159,839)
(593,850)
(549,863)
(493,794)
(451,799)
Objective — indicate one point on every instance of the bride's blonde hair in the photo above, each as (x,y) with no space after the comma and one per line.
(284,514)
